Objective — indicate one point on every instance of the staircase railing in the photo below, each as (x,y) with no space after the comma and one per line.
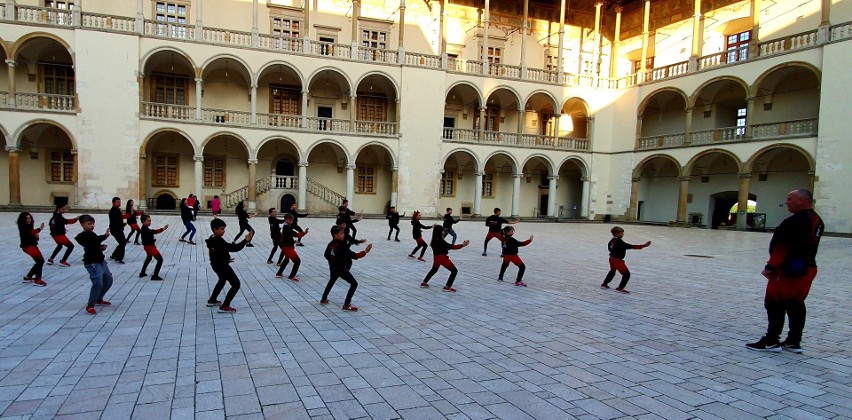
(324,193)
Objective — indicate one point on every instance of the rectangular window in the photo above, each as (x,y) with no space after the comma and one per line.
(286,32)
(167,14)
(551,62)
(168,89)
(737,46)
(372,108)
(62,16)
(214,172)
(448,181)
(649,64)
(58,80)
(366,179)
(741,121)
(166,170)
(488,184)
(61,166)
(286,100)
(374,39)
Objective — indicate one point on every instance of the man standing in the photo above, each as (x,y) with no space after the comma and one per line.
(116,229)
(791,269)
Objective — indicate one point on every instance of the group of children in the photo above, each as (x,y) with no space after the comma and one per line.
(286,234)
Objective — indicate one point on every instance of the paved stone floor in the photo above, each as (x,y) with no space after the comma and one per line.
(560,348)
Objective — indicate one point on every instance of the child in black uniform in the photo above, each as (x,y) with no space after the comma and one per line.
(151,250)
(449,221)
(288,247)
(510,255)
(220,261)
(441,258)
(617,249)
(393,222)
(57,231)
(274,233)
(340,258)
(417,233)
(243,218)
(93,260)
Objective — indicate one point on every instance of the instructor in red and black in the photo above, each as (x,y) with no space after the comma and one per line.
(790,270)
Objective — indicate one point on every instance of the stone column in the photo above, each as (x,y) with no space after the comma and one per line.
(306,33)
(356,13)
(598,40)
(76,14)
(198,90)
(255,31)
(14,175)
(11,64)
(521,118)
(586,195)
(616,44)
(199,176)
(682,196)
(443,29)
(645,38)
(560,60)
(253,104)
(524,30)
(697,40)
(143,182)
(477,194)
(633,211)
(252,186)
(551,196)
(140,17)
(401,23)
(484,57)
(742,201)
(352,112)
(753,47)
(482,124)
(303,186)
(556,117)
(199,26)
(812,182)
(350,183)
(638,130)
(304,122)
(394,185)
(749,129)
(687,135)
(516,193)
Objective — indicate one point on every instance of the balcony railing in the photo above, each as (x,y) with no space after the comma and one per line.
(539,75)
(790,43)
(423,60)
(717,135)
(225,116)
(328,124)
(795,128)
(279,120)
(842,31)
(375,127)
(46,101)
(285,182)
(167,111)
(169,30)
(44,15)
(514,139)
(662,141)
(504,70)
(331,49)
(281,43)
(108,23)
(226,37)
(378,55)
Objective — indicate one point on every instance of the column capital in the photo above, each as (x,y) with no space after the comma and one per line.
(394,168)
(619,8)
(11,62)
(635,179)
(553,178)
(744,175)
(254,85)
(517,175)
(305,91)
(198,80)
(252,161)
(198,158)
(689,108)
(587,179)
(478,173)
(143,155)
(350,166)
(684,178)
(303,164)
(13,149)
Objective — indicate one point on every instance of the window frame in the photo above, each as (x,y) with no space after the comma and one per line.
(488,185)
(209,165)
(738,50)
(65,162)
(448,182)
(68,79)
(365,175)
(295,97)
(166,76)
(156,168)
(163,25)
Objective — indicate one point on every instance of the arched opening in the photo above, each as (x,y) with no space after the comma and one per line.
(277,158)
(711,174)
(168,88)
(279,97)
(169,164)
(285,202)
(720,113)
(373,177)
(48,165)
(539,117)
(165,201)
(575,119)
(225,87)
(663,120)
(658,190)
(786,103)
(460,108)
(326,174)
(502,110)
(776,171)
(458,183)
(52,83)
(329,91)
(535,195)
(498,183)
(375,105)
(569,190)
(724,205)
(225,166)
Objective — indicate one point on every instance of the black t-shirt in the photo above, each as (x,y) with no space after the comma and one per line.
(495,223)
(116,219)
(91,243)
(511,245)
(417,228)
(449,221)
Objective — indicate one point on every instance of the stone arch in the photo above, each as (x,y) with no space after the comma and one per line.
(253,153)
(579,100)
(644,103)
(143,62)
(687,169)
(338,144)
(381,145)
(241,140)
(384,75)
(749,164)
(274,63)
(5,134)
(515,165)
(475,88)
(469,152)
(691,100)
(22,41)
(581,163)
(545,93)
(18,134)
(509,89)
(551,166)
(637,170)
(246,67)
(6,50)
(334,70)
(763,76)
(154,133)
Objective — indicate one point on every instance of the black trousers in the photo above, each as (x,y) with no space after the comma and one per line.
(226,274)
(347,277)
(118,252)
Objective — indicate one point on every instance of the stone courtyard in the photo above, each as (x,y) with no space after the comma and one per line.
(560,348)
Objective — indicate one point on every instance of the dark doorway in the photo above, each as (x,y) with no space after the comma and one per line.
(284,167)
(166,202)
(542,204)
(286,201)
(325,114)
(720,207)
(639,210)
(449,124)
(60,201)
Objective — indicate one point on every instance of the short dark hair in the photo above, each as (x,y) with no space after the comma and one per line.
(114,199)
(496,209)
(85,218)
(288,216)
(144,217)
(335,230)
(616,229)
(341,208)
(217,223)
(449,208)
(271,209)
(60,206)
